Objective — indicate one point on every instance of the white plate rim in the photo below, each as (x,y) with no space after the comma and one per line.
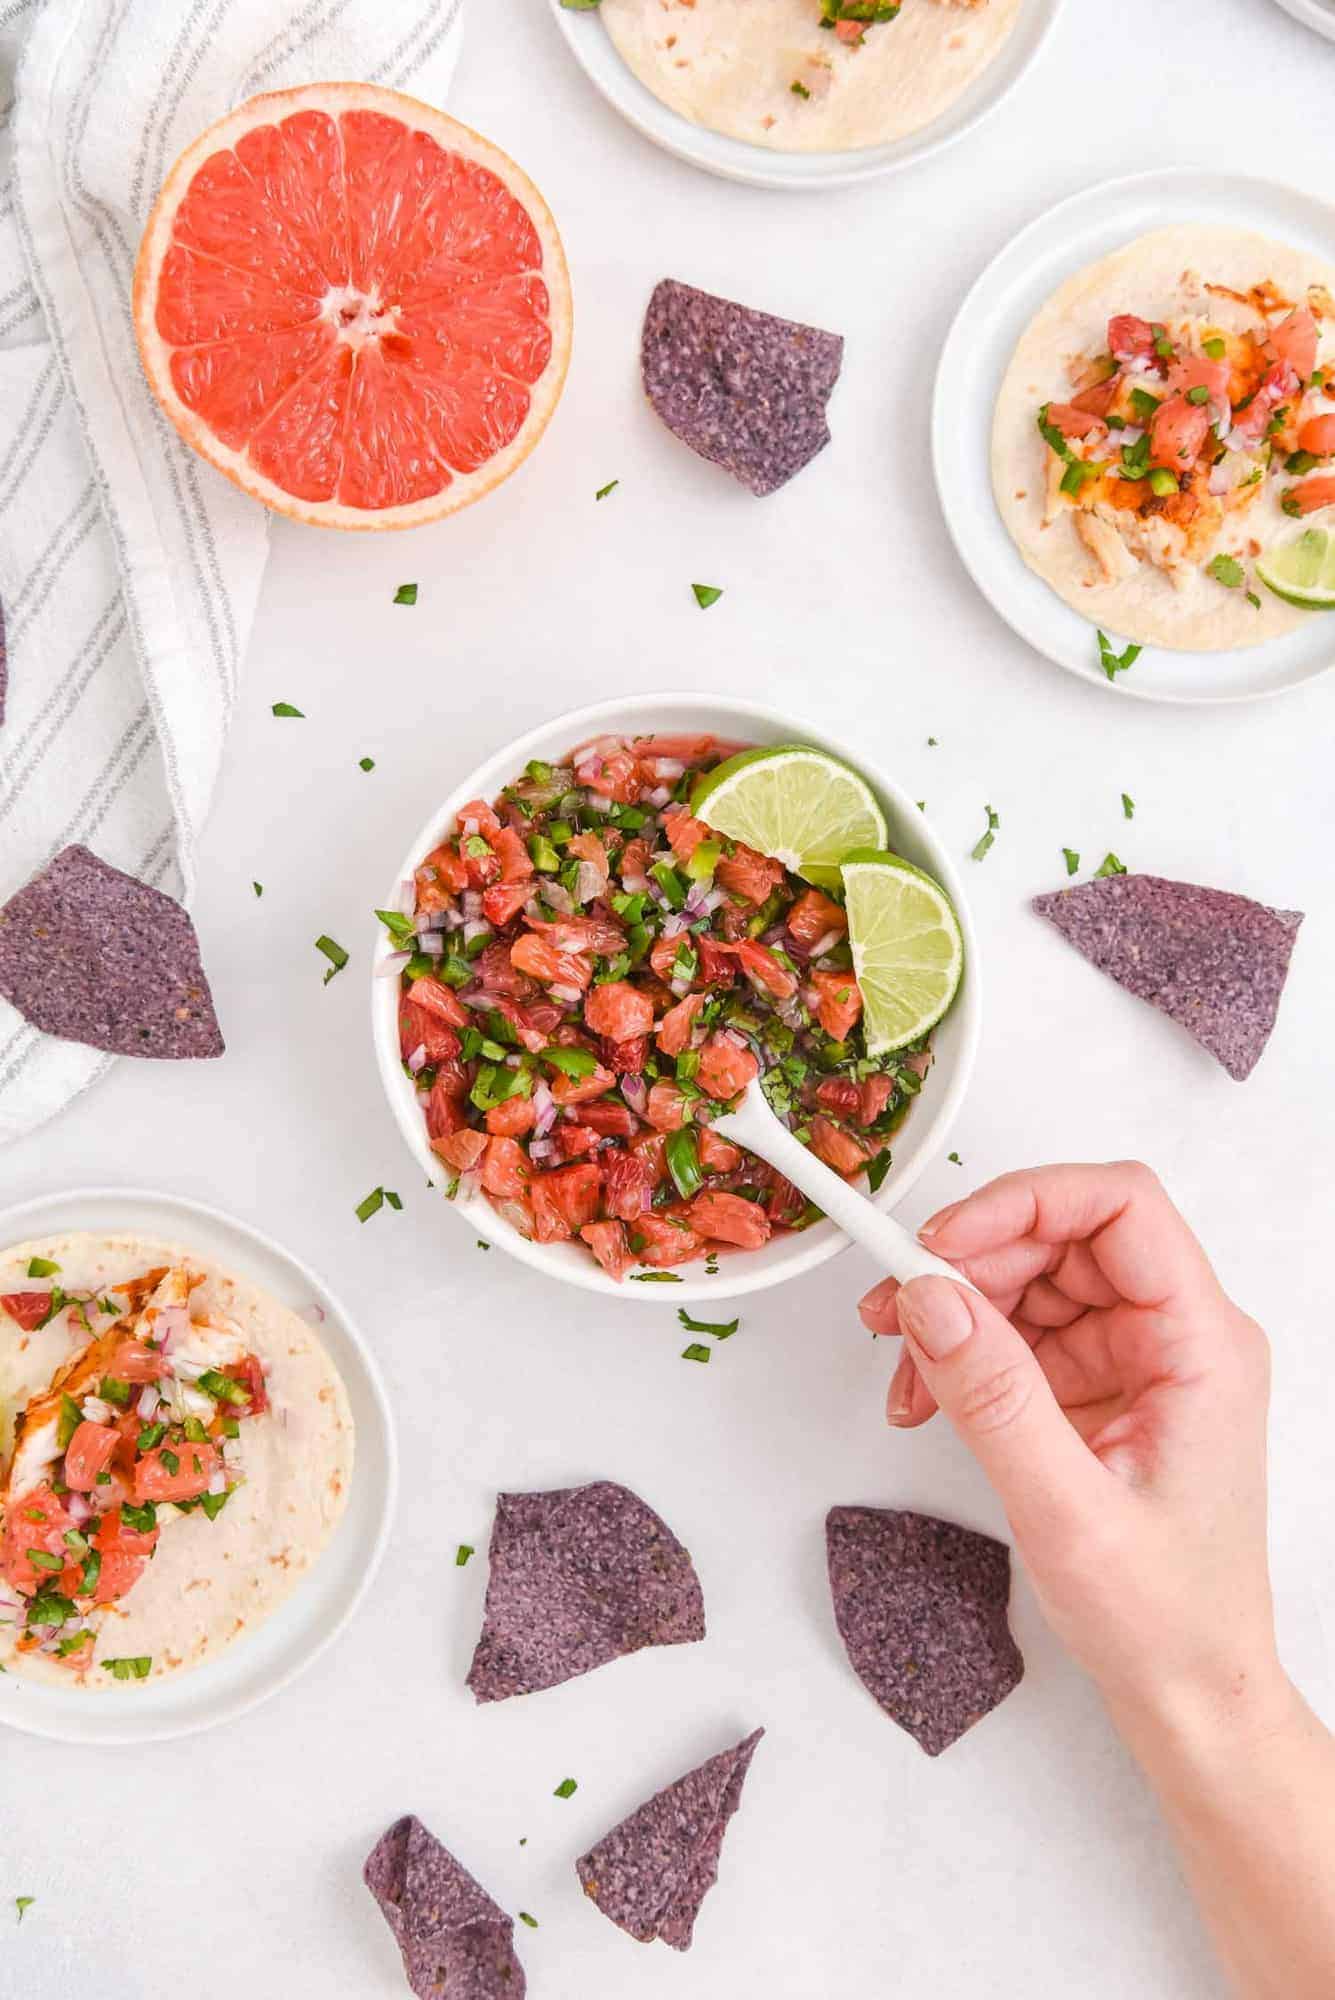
(1313,14)
(823,1240)
(756,166)
(131,1726)
(953,452)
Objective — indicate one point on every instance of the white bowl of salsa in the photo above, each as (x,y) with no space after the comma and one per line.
(724,1269)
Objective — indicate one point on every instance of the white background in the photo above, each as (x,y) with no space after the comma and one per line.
(1027,1861)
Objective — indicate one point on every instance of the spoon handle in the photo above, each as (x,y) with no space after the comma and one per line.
(895,1248)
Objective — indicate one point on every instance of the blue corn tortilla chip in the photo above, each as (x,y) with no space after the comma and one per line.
(1214,962)
(455,1942)
(651,1873)
(742,388)
(578,1577)
(96,956)
(921,1607)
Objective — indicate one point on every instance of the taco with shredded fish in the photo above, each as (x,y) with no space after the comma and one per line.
(175,1451)
(1166,425)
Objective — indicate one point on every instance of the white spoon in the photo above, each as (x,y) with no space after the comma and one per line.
(754,1125)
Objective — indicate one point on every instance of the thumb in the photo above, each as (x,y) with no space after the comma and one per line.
(986,1379)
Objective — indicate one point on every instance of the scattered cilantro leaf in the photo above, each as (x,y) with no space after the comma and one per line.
(654,1278)
(42,1267)
(955,1158)
(462,1553)
(721,1329)
(22,1903)
(372,1202)
(1072,859)
(1228,571)
(1128,806)
(610,487)
(696,1351)
(406,594)
(982,845)
(286,708)
(1109,865)
(335,953)
(258,887)
(366,763)
(706,594)
(1116,663)
(566,1789)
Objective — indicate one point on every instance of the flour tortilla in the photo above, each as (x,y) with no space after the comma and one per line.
(731,65)
(210,1582)
(1159,277)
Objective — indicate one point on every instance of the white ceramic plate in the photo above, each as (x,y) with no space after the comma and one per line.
(734,160)
(974,360)
(921,1138)
(321,1605)
(1318,14)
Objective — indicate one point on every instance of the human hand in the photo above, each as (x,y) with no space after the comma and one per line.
(1116,1399)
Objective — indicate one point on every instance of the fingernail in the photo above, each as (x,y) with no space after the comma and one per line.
(937,1222)
(899,1400)
(880,1296)
(934,1312)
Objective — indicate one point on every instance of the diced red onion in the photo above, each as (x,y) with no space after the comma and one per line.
(481,1002)
(569,996)
(78,1507)
(472,903)
(826,943)
(417,1060)
(407,897)
(636,1093)
(313,1314)
(95,1411)
(476,927)
(590,882)
(646,1199)
(469,1184)
(217,1482)
(634,885)
(428,921)
(432,946)
(541,1149)
(1219,481)
(148,1400)
(544,1105)
(675,923)
(680,986)
(731,1035)
(469,829)
(557,898)
(659,796)
(170,1322)
(667,770)
(451,919)
(392,966)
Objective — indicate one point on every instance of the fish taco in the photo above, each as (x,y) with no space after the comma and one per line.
(1166,427)
(176,1450)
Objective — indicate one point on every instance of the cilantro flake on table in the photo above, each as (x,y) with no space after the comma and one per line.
(721,1329)
(982,845)
(1109,865)
(366,763)
(610,487)
(696,1351)
(1128,806)
(566,1789)
(22,1903)
(706,594)
(336,955)
(654,1278)
(1071,856)
(258,887)
(1116,663)
(955,1159)
(286,708)
(406,594)
(372,1203)
(462,1554)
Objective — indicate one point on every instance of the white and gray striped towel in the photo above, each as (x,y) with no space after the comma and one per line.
(128,569)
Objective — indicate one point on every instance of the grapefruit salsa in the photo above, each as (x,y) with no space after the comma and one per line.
(589,975)
(353,306)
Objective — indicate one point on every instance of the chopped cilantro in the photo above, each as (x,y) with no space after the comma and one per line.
(611,485)
(366,763)
(799,89)
(695,1352)
(400,928)
(721,1329)
(1228,571)
(142,1519)
(878,1168)
(462,1553)
(258,887)
(286,708)
(1072,859)
(985,840)
(112,1390)
(571,1062)
(524,1916)
(1253,600)
(335,953)
(1116,663)
(654,1278)
(42,1267)
(374,1201)
(1109,865)
(136,1669)
(955,1159)
(1144,404)
(566,1789)
(1200,394)
(1128,806)
(706,594)
(22,1903)
(1215,348)
(406,594)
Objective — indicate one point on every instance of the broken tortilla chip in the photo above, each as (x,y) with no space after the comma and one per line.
(96,956)
(921,1608)
(651,1873)
(741,388)
(578,1577)
(456,1943)
(1214,962)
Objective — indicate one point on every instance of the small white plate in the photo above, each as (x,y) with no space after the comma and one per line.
(974,360)
(1318,14)
(734,160)
(321,1605)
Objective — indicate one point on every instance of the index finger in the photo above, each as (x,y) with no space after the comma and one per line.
(1138,1238)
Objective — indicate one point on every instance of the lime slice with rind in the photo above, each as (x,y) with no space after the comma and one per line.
(801,806)
(908,953)
(1302,570)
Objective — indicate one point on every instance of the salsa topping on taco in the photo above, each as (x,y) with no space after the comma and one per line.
(1175,430)
(143,1423)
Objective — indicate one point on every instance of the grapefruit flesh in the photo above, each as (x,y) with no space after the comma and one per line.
(352,305)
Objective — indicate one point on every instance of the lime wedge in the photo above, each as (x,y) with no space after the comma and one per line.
(798,805)
(908,954)
(1302,570)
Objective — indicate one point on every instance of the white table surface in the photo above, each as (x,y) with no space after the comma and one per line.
(1028,1857)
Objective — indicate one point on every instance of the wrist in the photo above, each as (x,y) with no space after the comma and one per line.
(1195,1729)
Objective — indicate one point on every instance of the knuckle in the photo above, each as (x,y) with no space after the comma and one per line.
(1140,1177)
(996,1399)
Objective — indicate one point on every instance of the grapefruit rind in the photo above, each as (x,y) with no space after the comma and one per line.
(156,353)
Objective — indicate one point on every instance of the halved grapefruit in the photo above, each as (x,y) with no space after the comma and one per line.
(353,306)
